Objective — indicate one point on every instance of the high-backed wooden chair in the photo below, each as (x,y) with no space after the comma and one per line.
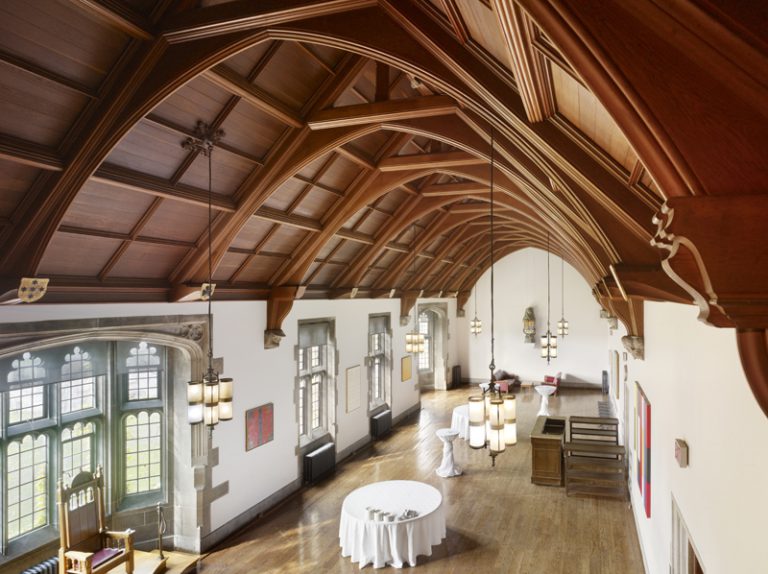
(87,547)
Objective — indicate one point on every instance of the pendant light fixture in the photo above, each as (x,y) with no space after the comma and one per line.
(475,325)
(548,340)
(492,421)
(209,400)
(562,324)
(414,341)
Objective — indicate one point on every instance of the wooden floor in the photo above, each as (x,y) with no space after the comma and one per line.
(497,521)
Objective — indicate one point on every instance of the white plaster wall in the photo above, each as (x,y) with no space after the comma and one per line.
(263,376)
(693,379)
(521,281)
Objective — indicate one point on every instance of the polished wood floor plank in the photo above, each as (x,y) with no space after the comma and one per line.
(497,520)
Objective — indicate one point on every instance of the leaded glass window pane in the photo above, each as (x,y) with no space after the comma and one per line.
(143,373)
(78,385)
(143,452)
(317,395)
(27,485)
(26,404)
(77,449)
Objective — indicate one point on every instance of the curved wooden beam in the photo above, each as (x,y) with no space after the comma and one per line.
(753,350)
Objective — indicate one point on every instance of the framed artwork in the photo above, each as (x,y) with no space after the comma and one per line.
(643,447)
(259,426)
(353,388)
(405,368)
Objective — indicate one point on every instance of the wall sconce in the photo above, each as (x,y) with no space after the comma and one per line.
(529,325)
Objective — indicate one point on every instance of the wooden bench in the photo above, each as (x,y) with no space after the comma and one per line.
(595,464)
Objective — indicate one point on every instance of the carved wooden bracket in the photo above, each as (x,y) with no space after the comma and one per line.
(461,300)
(279,304)
(753,350)
(714,253)
(407,301)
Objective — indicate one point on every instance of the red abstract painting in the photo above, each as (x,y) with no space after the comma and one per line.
(259,426)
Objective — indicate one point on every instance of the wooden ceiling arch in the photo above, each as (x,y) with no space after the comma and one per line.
(349,120)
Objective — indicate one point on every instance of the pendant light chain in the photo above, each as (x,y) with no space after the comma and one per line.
(209,400)
(492,366)
(210,254)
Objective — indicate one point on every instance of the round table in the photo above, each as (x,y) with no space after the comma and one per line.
(545,391)
(460,420)
(447,466)
(394,543)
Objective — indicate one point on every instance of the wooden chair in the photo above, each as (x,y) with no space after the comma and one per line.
(87,547)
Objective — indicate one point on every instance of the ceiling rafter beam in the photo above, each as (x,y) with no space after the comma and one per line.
(450,189)
(429,161)
(29,153)
(276,216)
(382,111)
(188,132)
(120,16)
(234,83)
(48,75)
(243,15)
(531,72)
(456,21)
(125,178)
(104,234)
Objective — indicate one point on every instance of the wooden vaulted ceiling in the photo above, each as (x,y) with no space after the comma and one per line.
(356,160)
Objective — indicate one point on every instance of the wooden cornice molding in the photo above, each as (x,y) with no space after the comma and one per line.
(531,73)
(710,250)
(382,111)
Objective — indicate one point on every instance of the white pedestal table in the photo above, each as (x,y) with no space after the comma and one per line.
(447,466)
(394,543)
(460,421)
(545,391)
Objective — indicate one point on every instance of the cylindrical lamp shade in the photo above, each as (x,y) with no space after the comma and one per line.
(211,415)
(553,346)
(225,389)
(510,420)
(225,410)
(211,394)
(414,342)
(544,346)
(476,422)
(496,426)
(194,392)
(475,326)
(195,402)
(562,327)
(195,413)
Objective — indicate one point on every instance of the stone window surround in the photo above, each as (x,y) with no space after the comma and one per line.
(186,336)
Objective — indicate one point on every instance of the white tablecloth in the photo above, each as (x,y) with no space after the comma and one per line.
(382,543)
(460,421)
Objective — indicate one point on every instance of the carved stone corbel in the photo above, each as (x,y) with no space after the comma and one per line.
(635,345)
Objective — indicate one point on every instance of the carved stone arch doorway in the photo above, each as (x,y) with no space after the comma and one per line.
(432,366)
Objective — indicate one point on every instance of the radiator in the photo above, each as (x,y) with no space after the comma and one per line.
(381,424)
(455,377)
(50,566)
(320,463)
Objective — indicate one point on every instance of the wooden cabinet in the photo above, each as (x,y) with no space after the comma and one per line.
(547,451)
